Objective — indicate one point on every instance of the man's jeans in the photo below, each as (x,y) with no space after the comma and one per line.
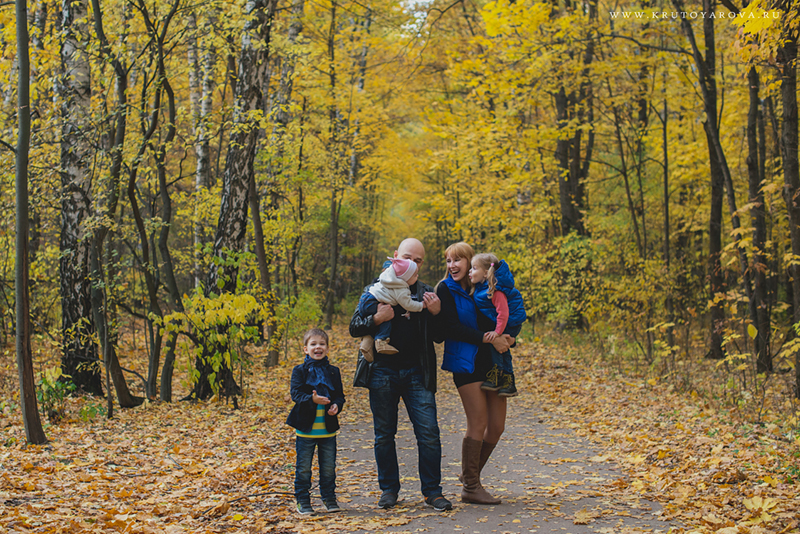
(386,387)
(326,450)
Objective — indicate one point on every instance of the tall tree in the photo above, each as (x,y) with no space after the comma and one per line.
(30,413)
(758,267)
(80,353)
(574,107)
(787,56)
(232,225)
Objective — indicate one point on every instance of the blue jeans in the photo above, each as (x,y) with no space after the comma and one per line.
(386,388)
(326,448)
(503,361)
(368,305)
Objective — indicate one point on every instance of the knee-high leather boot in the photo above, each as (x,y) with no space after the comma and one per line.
(472,491)
(486,451)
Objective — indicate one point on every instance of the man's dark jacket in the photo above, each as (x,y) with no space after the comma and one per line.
(364,326)
(305,409)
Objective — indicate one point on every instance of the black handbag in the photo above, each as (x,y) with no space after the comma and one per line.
(363,372)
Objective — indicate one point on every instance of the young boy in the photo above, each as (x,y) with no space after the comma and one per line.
(318,395)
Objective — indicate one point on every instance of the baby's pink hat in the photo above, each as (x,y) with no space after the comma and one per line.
(403,268)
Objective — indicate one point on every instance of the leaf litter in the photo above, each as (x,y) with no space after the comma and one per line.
(204,467)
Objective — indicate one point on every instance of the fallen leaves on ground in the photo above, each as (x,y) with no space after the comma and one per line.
(204,467)
(711,471)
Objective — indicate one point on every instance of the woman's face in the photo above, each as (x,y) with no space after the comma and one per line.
(458,269)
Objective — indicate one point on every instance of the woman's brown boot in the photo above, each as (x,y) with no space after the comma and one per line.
(486,451)
(472,491)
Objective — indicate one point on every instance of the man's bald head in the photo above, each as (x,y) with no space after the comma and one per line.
(411,249)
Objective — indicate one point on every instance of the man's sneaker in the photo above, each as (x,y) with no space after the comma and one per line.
(508,389)
(388,500)
(305,508)
(493,378)
(332,506)
(439,503)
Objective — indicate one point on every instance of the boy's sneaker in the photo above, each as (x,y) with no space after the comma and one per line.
(439,503)
(382,347)
(367,348)
(388,500)
(508,389)
(305,508)
(332,506)
(493,378)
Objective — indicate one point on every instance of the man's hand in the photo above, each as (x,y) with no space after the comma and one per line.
(432,302)
(384,313)
(333,410)
(502,343)
(319,400)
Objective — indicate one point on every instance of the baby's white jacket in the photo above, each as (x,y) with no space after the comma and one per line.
(392,290)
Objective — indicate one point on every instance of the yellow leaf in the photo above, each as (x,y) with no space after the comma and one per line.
(751,331)
(583,517)
(238,517)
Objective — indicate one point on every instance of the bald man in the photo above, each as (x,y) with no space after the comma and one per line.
(411,375)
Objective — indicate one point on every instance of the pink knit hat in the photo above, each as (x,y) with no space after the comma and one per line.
(403,268)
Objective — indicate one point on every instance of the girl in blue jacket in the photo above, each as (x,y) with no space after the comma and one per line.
(496,297)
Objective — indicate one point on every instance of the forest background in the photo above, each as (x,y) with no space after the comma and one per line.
(207,176)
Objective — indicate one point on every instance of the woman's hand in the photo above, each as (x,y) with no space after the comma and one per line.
(488,337)
(503,343)
(319,400)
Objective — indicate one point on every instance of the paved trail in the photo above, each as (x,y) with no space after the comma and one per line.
(550,479)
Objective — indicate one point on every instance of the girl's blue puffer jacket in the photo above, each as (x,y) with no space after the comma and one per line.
(505,283)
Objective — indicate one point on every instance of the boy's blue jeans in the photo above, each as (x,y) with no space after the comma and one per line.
(386,387)
(503,361)
(368,305)
(326,448)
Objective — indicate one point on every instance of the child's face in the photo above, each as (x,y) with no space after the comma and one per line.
(477,274)
(316,347)
(413,279)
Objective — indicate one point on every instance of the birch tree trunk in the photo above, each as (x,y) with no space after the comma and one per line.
(80,353)
(202,60)
(232,225)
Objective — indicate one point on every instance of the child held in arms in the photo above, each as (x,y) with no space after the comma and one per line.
(318,395)
(391,288)
(496,297)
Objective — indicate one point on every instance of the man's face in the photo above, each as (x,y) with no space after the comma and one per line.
(411,250)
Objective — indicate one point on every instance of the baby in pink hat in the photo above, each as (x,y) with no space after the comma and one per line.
(391,288)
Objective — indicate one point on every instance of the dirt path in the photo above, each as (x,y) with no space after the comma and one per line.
(550,479)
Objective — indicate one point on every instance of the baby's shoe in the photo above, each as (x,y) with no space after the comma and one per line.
(493,379)
(367,348)
(383,347)
(509,388)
